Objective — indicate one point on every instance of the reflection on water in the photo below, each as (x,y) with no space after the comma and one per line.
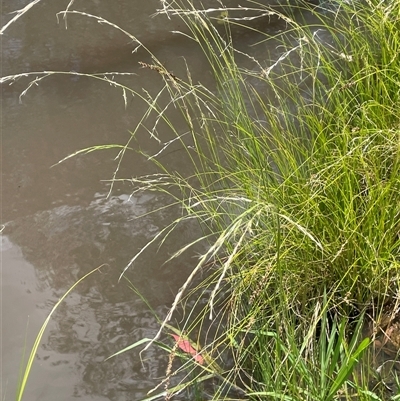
(59,222)
(101,316)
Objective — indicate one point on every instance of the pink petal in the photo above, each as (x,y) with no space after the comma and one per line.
(185,346)
(199,359)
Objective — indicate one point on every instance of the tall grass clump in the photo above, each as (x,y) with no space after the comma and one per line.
(296,186)
(295,181)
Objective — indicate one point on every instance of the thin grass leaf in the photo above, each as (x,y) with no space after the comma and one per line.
(347,368)
(23,382)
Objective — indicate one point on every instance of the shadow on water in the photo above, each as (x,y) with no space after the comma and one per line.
(59,222)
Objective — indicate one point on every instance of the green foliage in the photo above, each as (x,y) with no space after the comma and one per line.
(295,181)
(297,177)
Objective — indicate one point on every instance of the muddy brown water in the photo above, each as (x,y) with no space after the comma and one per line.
(59,222)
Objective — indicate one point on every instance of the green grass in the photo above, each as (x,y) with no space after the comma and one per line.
(296,186)
(25,372)
(298,194)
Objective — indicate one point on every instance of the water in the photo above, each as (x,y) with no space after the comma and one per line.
(60,223)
